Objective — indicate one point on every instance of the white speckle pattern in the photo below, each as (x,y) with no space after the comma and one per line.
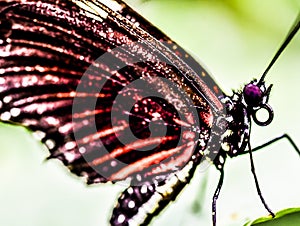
(5,116)
(225,146)
(50,144)
(221,159)
(121,218)
(184,173)
(139,218)
(82,150)
(65,128)
(40,109)
(39,68)
(113,163)
(152,204)
(112,5)
(131,204)
(39,135)
(144,189)
(7,99)
(70,156)
(92,11)
(130,190)
(138,177)
(15,112)
(52,121)
(132,223)
(70,145)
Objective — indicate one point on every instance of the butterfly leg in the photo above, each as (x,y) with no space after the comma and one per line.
(257,184)
(250,151)
(284,136)
(215,197)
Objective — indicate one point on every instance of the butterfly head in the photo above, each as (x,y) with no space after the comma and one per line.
(256,96)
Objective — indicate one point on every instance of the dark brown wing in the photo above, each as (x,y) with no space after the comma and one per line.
(58,58)
(105,95)
(110,95)
(144,24)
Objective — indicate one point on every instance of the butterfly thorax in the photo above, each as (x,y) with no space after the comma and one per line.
(241,109)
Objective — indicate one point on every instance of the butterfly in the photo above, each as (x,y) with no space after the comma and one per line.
(115,99)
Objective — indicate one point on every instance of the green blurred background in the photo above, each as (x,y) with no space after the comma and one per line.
(235,40)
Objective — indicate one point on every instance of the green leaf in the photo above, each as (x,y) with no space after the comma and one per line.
(290,217)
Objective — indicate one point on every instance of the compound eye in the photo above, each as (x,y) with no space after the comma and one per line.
(252,95)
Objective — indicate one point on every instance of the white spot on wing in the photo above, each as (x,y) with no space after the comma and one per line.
(91,10)
(131,204)
(225,146)
(144,189)
(50,144)
(184,173)
(65,128)
(15,112)
(130,190)
(138,177)
(39,68)
(113,5)
(52,121)
(5,116)
(132,223)
(70,156)
(70,145)
(152,204)
(39,135)
(221,159)
(7,99)
(121,218)
(139,218)
(113,163)
(82,150)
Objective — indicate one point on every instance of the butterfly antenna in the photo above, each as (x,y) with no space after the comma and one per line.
(287,40)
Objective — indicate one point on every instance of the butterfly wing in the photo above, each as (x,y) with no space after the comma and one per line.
(144,24)
(50,63)
(110,95)
(137,205)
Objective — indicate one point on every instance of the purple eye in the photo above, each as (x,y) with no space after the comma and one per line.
(252,94)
